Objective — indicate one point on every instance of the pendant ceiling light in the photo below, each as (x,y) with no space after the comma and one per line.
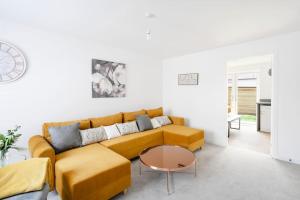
(148,34)
(149,16)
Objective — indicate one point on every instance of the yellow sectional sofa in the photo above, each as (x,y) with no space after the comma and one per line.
(102,170)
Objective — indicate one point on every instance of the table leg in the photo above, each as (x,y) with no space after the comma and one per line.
(168,184)
(195,168)
(140,169)
(229,126)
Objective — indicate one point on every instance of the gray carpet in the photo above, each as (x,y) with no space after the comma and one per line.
(222,173)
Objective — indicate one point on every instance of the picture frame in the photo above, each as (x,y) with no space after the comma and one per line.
(188,79)
(108,79)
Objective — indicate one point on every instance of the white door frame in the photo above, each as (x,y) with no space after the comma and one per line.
(274,103)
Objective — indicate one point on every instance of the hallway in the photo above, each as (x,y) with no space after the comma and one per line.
(248,138)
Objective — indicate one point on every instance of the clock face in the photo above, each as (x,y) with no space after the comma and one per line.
(12,63)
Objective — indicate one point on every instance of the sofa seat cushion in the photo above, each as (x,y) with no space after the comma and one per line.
(131,145)
(91,172)
(187,137)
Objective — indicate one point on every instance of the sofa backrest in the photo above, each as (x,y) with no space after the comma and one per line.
(155,112)
(103,121)
(107,120)
(84,124)
(131,116)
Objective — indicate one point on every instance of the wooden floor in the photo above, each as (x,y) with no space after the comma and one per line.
(249,138)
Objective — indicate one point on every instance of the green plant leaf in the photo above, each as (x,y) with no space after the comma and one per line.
(5,145)
(1,144)
(7,141)
(2,137)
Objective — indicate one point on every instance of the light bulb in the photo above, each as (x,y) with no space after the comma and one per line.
(148,34)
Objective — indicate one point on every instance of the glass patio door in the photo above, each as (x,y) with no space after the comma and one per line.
(242,93)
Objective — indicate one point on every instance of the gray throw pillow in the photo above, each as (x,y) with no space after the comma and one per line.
(65,137)
(144,122)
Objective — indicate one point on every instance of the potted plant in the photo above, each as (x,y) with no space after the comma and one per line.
(7,142)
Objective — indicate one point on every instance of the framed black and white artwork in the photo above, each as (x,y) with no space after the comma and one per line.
(188,79)
(108,79)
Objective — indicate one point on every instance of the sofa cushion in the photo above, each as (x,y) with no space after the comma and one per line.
(65,137)
(131,116)
(107,120)
(84,124)
(187,137)
(144,122)
(163,120)
(155,123)
(132,145)
(111,131)
(128,128)
(155,112)
(92,135)
(91,172)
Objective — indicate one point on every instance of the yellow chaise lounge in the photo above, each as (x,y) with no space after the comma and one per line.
(102,170)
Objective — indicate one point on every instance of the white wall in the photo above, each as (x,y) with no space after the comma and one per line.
(205,105)
(57,84)
(265,82)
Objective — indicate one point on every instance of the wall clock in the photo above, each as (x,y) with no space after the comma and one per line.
(12,63)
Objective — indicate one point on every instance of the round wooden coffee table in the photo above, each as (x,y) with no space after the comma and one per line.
(167,158)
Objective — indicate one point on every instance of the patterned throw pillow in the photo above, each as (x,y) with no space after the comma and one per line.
(127,128)
(92,135)
(155,123)
(163,120)
(111,131)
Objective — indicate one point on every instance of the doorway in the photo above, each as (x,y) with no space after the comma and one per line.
(249,89)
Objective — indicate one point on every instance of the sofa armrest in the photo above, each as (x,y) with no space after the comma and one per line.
(177,120)
(39,147)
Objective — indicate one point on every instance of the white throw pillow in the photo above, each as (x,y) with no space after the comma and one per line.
(127,128)
(163,120)
(155,123)
(92,135)
(111,131)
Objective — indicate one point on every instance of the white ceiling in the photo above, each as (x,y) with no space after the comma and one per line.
(180,26)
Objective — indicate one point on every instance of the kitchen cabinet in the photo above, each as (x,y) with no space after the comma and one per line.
(264,115)
(265,118)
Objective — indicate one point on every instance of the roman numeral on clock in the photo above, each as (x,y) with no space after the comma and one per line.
(18,71)
(9,75)
(19,63)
